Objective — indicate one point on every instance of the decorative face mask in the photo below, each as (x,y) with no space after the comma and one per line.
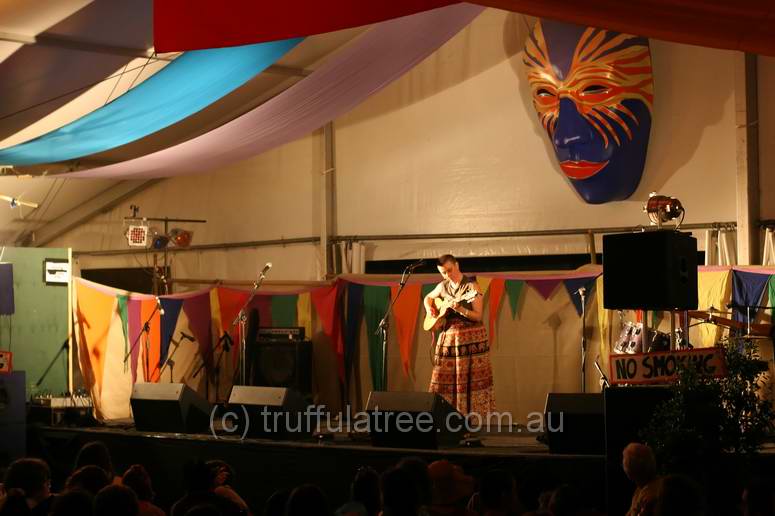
(593,91)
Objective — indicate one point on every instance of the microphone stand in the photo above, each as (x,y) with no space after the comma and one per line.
(224,343)
(147,331)
(581,292)
(241,319)
(385,323)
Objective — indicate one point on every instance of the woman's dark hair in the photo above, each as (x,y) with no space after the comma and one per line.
(15,503)
(89,478)
(116,500)
(29,475)
(217,465)
(198,476)
(399,494)
(95,453)
(73,502)
(137,479)
(365,489)
(307,500)
(418,469)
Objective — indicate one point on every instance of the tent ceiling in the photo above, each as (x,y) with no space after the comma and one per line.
(59,74)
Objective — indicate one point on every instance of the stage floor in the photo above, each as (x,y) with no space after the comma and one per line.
(265,465)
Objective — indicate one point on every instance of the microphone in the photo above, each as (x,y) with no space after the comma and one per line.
(158,305)
(265,269)
(416,264)
(581,291)
(186,336)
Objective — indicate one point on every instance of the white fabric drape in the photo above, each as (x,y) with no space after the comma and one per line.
(769,247)
(727,247)
(711,247)
(353,257)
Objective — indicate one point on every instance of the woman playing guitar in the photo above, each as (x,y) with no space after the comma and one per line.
(462,372)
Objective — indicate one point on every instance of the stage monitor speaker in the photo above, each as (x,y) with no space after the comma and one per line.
(652,270)
(573,423)
(281,364)
(431,422)
(272,412)
(169,407)
(628,411)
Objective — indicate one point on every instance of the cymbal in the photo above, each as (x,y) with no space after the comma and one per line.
(758,330)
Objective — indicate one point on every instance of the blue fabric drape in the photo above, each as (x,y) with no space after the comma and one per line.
(352,326)
(747,290)
(168,323)
(187,85)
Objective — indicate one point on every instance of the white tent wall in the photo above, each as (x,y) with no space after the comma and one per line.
(766,70)
(454,146)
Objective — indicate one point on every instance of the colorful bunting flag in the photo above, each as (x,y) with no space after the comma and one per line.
(574,285)
(484,283)
(94,312)
(135,326)
(771,296)
(375,303)
(545,287)
(713,291)
(747,290)
(514,291)
(197,310)
(169,320)
(327,304)
(150,342)
(405,312)
(122,311)
(352,327)
(497,287)
(284,310)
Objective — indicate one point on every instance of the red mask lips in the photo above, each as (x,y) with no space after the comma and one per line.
(581,169)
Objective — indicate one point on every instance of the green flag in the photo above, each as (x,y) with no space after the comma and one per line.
(375,303)
(284,310)
(124,313)
(514,290)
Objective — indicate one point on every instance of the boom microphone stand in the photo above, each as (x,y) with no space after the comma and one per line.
(582,293)
(147,331)
(242,318)
(384,323)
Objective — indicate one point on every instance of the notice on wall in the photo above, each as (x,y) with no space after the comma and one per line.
(663,367)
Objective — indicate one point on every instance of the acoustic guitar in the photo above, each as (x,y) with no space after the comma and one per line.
(443,306)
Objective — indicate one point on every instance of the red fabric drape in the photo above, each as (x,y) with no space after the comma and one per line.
(736,25)
(327,302)
(190,24)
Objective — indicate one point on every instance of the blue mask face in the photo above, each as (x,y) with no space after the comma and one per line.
(593,91)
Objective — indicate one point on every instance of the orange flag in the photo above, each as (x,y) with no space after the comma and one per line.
(94,312)
(152,351)
(327,302)
(497,286)
(405,312)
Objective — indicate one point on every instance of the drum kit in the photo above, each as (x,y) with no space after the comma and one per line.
(631,337)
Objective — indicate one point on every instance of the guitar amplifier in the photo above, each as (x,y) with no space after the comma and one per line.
(281,334)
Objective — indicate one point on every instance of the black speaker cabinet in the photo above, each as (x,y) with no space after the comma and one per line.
(169,407)
(273,412)
(13,420)
(573,423)
(422,420)
(652,270)
(281,364)
(628,410)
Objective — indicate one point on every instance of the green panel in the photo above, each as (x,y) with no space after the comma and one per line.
(36,332)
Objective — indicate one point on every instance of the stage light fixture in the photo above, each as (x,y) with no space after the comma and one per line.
(137,235)
(159,241)
(661,209)
(181,237)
